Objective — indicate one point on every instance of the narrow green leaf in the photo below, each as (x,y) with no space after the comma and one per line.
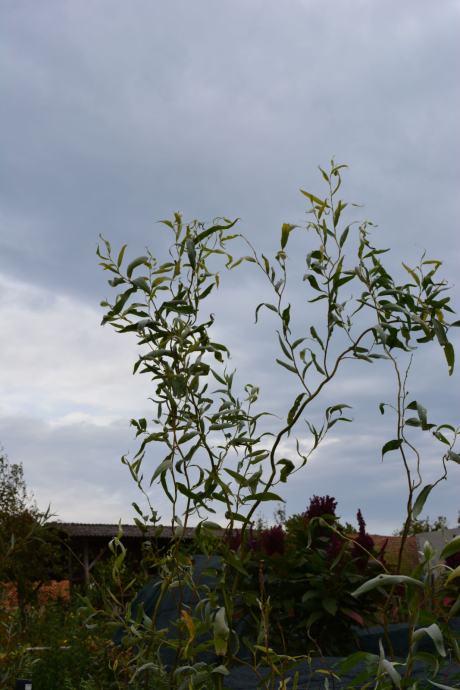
(191,252)
(314,199)
(264,304)
(297,342)
(264,496)
(293,411)
(121,255)
(286,366)
(284,348)
(385,580)
(286,230)
(210,231)
(449,353)
(316,336)
(187,437)
(412,273)
(343,236)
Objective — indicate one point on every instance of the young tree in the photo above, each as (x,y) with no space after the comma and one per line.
(218,455)
(13,491)
(29,549)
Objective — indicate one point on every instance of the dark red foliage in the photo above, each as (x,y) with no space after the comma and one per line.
(270,541)
(273,540)
(321,505)
(362,541)
(453,561)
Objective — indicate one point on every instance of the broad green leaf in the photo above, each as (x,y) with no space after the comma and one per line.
(420,500)
(451,548)
(440,332)
(141,283)
(421,411)
(235,516)
(221,632)
(391,445)
(435,633)
(162,468)
(455,457)
(241,481)
(287,467)
(385,580)
(140,261)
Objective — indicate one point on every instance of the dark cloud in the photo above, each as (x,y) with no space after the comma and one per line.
(115,116)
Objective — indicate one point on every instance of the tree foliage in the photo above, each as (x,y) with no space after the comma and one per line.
(29,546)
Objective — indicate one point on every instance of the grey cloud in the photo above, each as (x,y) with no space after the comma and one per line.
(112,123)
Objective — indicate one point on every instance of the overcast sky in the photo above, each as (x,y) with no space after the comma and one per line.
(115,114)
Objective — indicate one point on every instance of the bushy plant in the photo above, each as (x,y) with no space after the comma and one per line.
(219,455)
(308,571)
